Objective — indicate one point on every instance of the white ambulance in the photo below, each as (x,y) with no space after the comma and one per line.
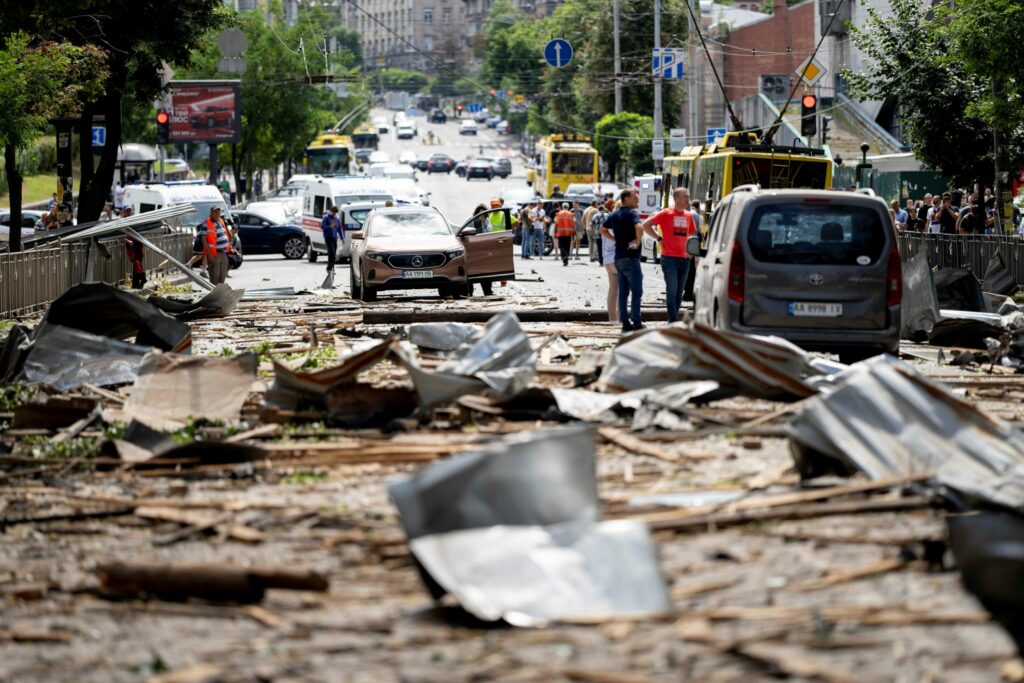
(324,192)
(152,196)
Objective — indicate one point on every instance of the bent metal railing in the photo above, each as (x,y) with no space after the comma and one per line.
(968,252)
(30,280)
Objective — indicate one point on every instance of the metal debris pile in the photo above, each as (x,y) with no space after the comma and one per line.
(310,493)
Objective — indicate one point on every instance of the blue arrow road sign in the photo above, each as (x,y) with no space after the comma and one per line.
(714,134)
(667,63)
(99,136)
(558,53)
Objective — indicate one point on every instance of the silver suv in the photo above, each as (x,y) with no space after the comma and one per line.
(819,268)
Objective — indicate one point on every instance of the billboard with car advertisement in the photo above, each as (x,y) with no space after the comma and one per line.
(205,111)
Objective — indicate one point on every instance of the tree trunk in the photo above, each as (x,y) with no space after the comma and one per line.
(236,171)
(14,183)
(93,195)
(85,160)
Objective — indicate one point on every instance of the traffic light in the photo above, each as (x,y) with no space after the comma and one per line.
(825,120)
(163,127)
(808,115)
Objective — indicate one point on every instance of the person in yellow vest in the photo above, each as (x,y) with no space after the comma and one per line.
(496,220)
(565,231)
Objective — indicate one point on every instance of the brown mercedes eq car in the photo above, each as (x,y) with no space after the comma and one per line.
(414,247)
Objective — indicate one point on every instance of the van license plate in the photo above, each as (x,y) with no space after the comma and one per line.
(417,274)
(815,309)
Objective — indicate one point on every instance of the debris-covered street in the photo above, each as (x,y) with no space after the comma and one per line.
(626,508)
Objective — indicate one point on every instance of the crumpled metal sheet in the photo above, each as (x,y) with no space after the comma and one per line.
(98,308)
(532,575)
(998,278)
(512,533)
(292,386)
(218,302)
(540,478)
(958,290)
(443,336)
(920,305)
(989,550)
(66,358)
(175,388)
(591,406)
(142,443)
(500,359)
(15,350)
(885,419)
(762,367)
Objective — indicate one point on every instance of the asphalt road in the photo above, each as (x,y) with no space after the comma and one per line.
(580,285)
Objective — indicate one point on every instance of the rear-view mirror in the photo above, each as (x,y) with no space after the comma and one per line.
(693,247)
(468,231)
(358,235)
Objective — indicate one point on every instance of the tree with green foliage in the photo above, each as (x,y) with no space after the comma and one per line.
(138,37)
(281,112)
(624,143)
(40,82)
(940,68)
(399,79)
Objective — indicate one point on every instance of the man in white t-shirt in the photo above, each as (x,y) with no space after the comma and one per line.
(118,198)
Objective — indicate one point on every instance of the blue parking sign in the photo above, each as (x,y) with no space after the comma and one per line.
(99,136)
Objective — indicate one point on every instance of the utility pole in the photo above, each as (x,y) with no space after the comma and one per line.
(618,57)
(658,132)
(691,72)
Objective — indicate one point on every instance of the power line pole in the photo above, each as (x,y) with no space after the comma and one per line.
(691,72)
(618,58)
(658,132)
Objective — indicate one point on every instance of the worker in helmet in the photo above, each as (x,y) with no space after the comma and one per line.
(496,219)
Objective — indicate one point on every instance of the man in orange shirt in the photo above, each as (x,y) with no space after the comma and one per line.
(675,225)
(565,231)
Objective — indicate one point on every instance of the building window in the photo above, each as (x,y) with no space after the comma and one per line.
(428,17)
(446,16)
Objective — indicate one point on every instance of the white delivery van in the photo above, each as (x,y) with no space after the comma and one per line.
(153,196)
(325,192)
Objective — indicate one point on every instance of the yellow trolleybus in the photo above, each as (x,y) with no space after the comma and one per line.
(330,154)
(562,160)
(365,137)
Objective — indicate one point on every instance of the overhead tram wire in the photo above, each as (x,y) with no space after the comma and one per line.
(736,123)
(768,136)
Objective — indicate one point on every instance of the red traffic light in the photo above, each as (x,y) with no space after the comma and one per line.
(459,107)
(809,101)
(162,117)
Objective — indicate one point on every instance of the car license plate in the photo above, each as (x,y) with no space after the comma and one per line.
(815,309)
(417,274)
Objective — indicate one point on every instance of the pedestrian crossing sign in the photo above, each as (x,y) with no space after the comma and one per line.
(811,71)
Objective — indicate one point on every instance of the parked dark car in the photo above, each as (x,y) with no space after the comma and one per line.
(437,116)
(479,168)
(260,235)
(492,121)
(502,167)
(423,161)
(440,163)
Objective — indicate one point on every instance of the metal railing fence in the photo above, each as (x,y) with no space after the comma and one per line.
(968,252)
(30,280)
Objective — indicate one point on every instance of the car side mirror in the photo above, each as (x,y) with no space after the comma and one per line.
(468,231)
(693,247)
(357,235)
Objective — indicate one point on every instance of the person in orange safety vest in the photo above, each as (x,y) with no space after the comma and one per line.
(565,231)
(216,247)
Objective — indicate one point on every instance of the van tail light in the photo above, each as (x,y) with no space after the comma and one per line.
(736,275)
(894,279)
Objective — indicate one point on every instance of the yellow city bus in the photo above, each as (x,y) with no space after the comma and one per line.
(564,159)
(330,154)
(365,137)
(712,171)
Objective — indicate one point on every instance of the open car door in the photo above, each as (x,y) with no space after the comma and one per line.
(488,251)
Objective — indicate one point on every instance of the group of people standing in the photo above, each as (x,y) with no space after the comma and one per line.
(948,213)
(616,229)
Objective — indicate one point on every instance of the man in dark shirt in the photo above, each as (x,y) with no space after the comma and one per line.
(947,217)
(625,228)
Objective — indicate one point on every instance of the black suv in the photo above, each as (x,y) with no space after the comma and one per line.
(437,116)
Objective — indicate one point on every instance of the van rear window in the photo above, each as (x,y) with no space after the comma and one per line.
(816,234)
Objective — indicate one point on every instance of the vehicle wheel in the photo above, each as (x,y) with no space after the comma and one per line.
(293,247)
(367,293)
(549,245)
(851,356)
(311,254)
(353,285)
